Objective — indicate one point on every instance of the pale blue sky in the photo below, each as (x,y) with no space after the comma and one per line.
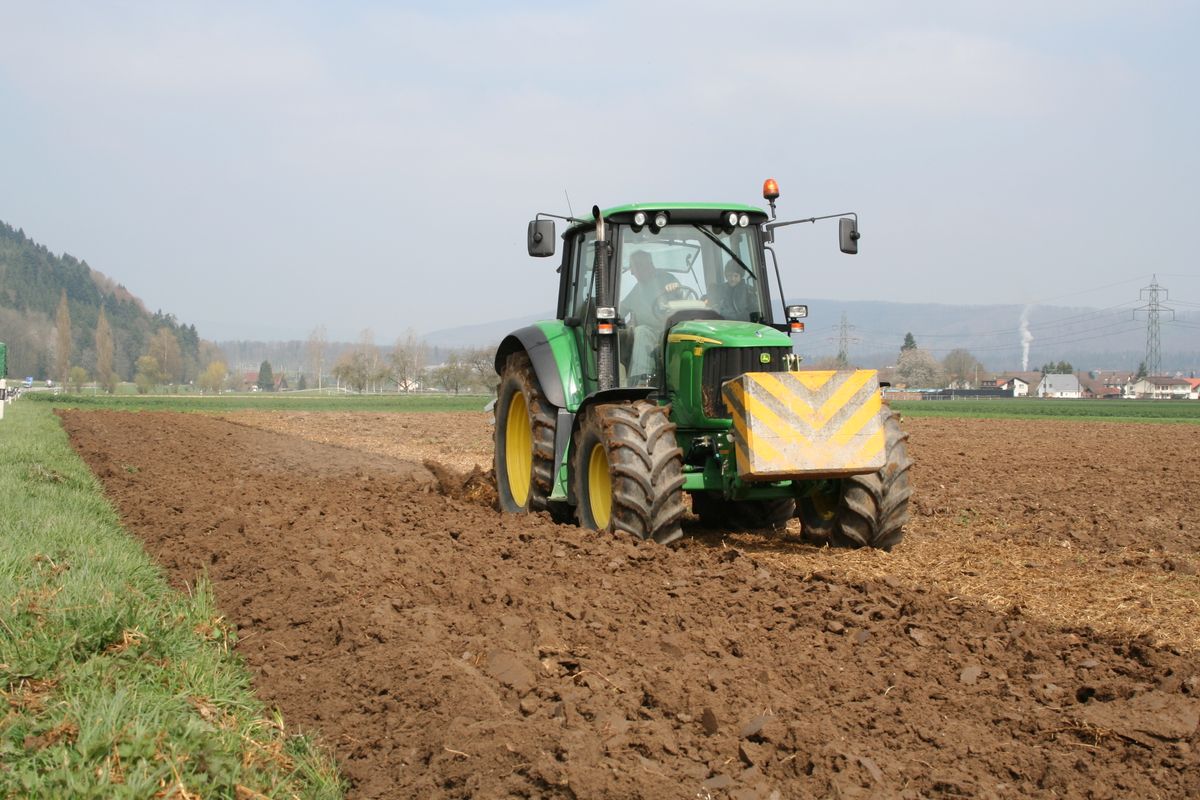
(258,169)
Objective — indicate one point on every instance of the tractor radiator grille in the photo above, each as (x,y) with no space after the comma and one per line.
(725,363)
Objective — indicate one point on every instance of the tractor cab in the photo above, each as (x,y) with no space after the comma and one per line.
(669,264)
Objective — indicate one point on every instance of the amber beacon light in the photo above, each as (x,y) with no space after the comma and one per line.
(770,189)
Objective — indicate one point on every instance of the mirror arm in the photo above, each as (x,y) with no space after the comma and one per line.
(541,214)
(771,226)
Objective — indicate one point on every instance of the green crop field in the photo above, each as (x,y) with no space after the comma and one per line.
(114,684)
(269,401)
(1174,411)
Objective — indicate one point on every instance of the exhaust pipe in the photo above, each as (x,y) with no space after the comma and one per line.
(606,353)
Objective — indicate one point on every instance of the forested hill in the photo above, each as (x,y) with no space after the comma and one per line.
(32,283)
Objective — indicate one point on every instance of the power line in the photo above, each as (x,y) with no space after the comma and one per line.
(1153,309)
(844,340)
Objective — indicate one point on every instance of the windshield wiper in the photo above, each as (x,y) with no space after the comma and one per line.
(725,247)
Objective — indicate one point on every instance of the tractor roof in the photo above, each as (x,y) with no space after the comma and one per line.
(684,211)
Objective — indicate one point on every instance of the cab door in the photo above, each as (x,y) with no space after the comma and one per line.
(580,305)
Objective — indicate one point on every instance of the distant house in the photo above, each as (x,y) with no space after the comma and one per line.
(1115,379)
(1018,384)
(1161,387)
(1194,393)
(1095,388)
(1065,386)
(1017,387)
(250,382)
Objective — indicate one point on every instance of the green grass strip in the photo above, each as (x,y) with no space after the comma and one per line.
(1169,411)
(116,685)
(268,401)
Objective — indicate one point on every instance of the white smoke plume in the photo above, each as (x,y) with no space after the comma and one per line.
(1026,338)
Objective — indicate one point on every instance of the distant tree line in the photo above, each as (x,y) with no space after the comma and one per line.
(63,320)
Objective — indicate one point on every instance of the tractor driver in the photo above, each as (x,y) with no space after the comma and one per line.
(640,308)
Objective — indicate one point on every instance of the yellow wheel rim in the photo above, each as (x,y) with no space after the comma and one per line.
(824,506)
(518,449)
(599,487)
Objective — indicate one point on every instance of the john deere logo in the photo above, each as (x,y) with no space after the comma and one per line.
(764,358)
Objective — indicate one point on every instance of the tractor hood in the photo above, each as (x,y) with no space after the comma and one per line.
(727,333)
(703,354)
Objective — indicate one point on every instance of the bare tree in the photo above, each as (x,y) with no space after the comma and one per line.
(407,361)
(104,354)
(481,362)
(62,349)
(317,342)
(961,367)
(209,352)
(374,371)
(164,347)
(351,370)
(454,373)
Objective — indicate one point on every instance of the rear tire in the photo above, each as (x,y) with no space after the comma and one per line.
(716,512)
(524,451)
(628,471)
(872,509)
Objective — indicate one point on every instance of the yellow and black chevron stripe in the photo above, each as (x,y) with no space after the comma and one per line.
(822,423)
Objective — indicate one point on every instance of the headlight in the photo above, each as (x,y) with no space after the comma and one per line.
(660,219)
(639,218)
(732,219)
(743,220)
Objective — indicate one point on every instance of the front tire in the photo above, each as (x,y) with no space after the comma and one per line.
(865,510)
(628,471)
(524,447)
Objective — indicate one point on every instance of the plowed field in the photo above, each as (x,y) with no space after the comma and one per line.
(1035,634)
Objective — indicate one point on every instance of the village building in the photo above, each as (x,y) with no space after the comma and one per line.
(1095,387)
(1017,384)
(1162,387)
(1062,386)
(1017,387)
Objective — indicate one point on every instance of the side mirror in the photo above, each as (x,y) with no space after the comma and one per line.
(540,238)
(848,235)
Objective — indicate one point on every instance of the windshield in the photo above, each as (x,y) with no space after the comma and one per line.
(682,267)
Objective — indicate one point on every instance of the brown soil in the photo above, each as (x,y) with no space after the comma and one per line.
(443,649)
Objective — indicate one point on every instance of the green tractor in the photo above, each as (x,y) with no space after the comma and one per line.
(667,373)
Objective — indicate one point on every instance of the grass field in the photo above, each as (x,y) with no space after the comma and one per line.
(1181,411)
(268,401)
(114,684)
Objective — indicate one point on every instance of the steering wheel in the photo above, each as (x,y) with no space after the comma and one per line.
(680,292)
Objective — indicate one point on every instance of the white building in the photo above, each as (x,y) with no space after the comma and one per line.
(1018,387)
(1159,387)
(1054,385)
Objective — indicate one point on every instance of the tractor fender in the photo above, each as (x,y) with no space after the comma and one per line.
(534,341)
